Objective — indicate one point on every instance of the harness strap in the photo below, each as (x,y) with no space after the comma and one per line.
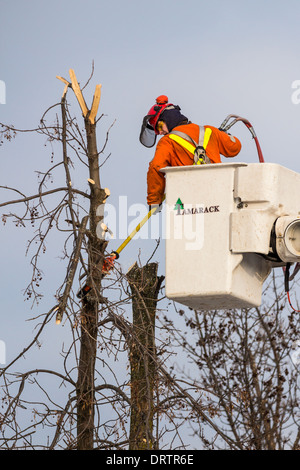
(198,150)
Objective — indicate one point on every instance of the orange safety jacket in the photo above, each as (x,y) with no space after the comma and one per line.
(171,153)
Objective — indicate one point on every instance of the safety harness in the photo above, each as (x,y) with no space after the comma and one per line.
(198,150)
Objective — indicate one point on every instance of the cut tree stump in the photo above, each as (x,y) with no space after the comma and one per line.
(145,285)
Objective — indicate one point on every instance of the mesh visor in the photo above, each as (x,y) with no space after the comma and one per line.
(147,135)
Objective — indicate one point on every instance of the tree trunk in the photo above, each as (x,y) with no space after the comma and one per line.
(144,285)
(90,304)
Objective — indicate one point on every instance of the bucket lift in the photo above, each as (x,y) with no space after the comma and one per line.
(235,223)
(244,221)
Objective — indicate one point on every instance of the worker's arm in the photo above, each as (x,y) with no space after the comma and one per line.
(156,179)
(229,145)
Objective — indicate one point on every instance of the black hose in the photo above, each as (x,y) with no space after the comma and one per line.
(287,277)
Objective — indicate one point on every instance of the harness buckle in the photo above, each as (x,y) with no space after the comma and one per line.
(200,157)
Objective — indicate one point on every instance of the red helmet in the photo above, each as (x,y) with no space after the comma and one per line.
(149,132)
(156,110)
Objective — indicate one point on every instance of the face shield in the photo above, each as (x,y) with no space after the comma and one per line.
(148,132)
(147,135)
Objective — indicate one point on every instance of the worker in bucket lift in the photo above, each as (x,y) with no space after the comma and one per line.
(183,143)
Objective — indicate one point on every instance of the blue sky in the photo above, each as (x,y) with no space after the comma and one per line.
(212,58)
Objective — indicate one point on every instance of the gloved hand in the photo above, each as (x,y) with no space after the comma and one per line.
(157,206)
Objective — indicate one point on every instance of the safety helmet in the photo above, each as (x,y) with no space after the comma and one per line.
(148,131)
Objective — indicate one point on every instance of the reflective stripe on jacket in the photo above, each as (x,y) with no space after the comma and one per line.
(170,153)
(196,149)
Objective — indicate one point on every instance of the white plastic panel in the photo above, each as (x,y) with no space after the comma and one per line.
(219,222)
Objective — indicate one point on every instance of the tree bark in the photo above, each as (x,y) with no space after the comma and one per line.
(90,304)
(144,284)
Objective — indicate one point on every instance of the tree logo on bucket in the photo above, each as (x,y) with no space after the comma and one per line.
(200,209)
(179,206)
